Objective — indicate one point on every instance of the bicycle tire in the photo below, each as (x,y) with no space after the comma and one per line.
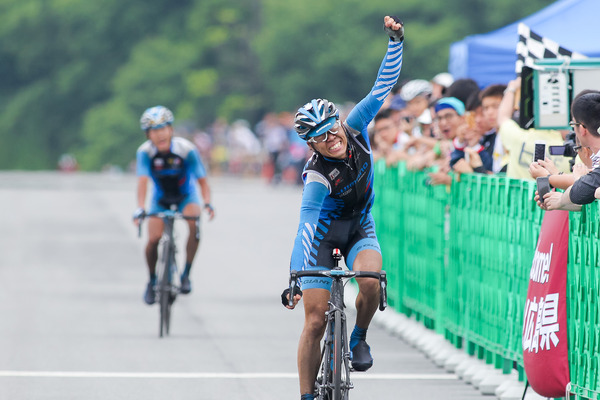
(323,385)
(338,356)
(171,294)
(164,292)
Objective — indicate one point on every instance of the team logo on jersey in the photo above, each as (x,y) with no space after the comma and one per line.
(334,173)
(176,162)
(159,163)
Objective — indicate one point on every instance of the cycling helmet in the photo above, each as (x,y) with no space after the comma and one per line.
(314,117)
(414,88)
(156,117)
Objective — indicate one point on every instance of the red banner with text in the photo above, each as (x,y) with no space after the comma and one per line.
(545,347)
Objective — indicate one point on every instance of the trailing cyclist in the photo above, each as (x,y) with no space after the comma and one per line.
(336,211)
(174,165)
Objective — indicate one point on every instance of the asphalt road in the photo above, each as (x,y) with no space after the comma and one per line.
(74,326)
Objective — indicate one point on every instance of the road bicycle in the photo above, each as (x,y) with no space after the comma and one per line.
(168,283)
(333,381)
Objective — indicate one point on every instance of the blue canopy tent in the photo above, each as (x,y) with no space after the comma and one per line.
(490,58)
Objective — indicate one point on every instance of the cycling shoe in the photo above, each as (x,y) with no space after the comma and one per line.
(361,356)
(186,285)
(150,296)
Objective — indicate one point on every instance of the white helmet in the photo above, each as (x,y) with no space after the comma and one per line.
(414,88)
(156,117)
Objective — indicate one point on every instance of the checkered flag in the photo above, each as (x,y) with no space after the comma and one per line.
(532,47)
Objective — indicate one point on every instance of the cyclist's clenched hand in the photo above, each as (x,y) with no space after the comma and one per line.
(394,27)
(138,214)
(210,210)
(285,297)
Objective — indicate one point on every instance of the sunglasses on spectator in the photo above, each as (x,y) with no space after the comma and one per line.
(323,138)
(573,124)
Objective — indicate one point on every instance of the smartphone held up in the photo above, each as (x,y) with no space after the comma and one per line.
(540,151)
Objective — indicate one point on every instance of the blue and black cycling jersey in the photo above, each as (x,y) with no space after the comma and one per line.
(174,173)
(338,190)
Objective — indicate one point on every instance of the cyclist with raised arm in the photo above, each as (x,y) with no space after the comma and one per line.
(336,212)
(174,165)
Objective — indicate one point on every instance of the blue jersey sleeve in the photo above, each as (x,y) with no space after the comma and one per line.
(312,200)
(388,74)
(142,163)
(195,164)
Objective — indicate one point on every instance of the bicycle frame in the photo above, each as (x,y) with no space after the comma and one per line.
(333,381)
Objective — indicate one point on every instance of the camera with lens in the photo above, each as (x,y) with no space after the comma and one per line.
(567,149)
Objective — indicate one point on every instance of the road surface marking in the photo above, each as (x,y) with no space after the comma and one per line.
(209,375)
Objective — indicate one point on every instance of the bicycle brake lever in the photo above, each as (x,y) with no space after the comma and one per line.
(382,291)
(293,282)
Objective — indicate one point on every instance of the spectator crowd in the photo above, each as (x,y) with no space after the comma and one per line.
(453,127)
(445,126)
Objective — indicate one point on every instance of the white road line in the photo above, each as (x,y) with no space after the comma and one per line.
(208,375)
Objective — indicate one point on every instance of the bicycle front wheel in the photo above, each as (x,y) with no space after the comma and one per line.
(338,356)
(164,291)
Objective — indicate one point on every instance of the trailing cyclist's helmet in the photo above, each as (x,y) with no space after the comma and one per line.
(315,117)
(156,117)
(414,88)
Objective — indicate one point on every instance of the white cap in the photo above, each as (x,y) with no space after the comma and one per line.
(443,79)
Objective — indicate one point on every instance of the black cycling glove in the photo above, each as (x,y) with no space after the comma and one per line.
(396,36)
(286,292)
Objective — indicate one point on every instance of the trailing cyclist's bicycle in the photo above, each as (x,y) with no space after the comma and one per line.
(168,283)
(333,381)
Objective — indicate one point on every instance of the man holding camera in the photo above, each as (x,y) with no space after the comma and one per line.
(585,110)
(520,142)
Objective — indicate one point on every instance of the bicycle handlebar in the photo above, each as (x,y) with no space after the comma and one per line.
(170,215)
(337,273)
(341,274)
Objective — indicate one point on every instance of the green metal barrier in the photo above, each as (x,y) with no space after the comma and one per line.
(583,295)
(411,234)
(459,261)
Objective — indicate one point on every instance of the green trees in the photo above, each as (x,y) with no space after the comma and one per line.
(76,75)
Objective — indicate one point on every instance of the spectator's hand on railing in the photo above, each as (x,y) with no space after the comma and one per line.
(440,178)
(416,162)
(394,156)
(580,170)
(462,167)
(474,158)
